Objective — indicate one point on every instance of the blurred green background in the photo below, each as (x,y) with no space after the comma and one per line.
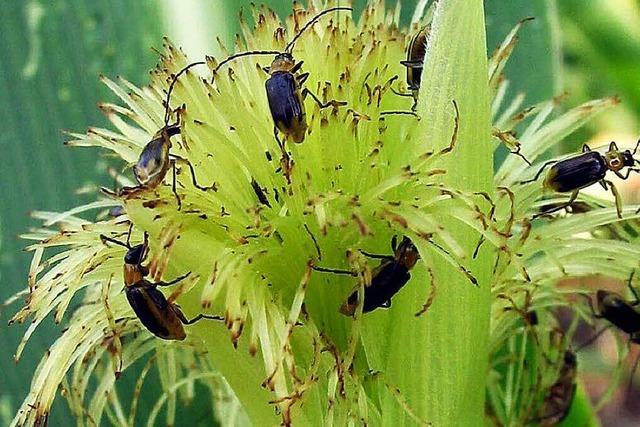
(51,54)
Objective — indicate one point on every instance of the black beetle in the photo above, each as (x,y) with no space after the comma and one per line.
(386,279)
(585,169)
(618,311)
(283,92)
(389,277)
(161,317)
(621,313)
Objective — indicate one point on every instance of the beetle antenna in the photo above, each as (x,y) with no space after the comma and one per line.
(636,149)
(315,242)
(117,242)
(129,235)
(289,46)
(173,82)
(238,55)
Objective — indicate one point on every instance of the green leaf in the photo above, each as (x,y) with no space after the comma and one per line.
(439,361)
(602,39)
(52,54)
(535,67)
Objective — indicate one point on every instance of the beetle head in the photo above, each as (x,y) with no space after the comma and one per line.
(137,253)
(609,301)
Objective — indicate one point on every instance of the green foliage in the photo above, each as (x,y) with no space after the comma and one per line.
(52,54)
(535,67)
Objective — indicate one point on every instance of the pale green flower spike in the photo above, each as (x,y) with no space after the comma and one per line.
(252,232)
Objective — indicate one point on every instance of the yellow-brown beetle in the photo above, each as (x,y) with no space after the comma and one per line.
(161,317)
(414,63)
(154,160)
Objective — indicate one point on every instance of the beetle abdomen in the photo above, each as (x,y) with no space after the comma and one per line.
(576,172)
(153,163)
(155,312)
(415,55)
(388,280)
(286,105)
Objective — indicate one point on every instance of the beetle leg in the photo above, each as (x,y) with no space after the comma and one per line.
(603,183)
(617,197)
(333,270)
(301,78)
(593,338)
(561,206)
(184,320)
(628,173)
(322,105)
(146,237)
(286,164)
(519,154)
(315,242)
(297,67)
(412,64)
(174,281)
(407,94)
(461,267)
(414,107)
(275,135)
(194,181)
(401,113)
(633,290)
(456,126)
(376,256)
(585,148)
(535,178)
(621,176)
(109,239)
(173,184)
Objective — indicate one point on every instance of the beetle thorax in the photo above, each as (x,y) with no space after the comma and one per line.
(132,274)
(283,62)
(407,254)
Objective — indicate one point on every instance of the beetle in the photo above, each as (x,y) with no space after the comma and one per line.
(415,61)
(386,279)
(154,160)
(161,317)
(619,312)
(557,403)
(284,93)
(583,170)
(389,277)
